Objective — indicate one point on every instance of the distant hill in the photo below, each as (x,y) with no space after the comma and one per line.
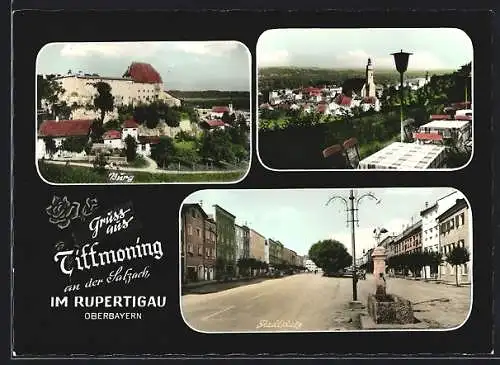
(294,77)
(208,94)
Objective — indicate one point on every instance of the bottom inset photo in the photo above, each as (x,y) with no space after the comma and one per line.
(320,260)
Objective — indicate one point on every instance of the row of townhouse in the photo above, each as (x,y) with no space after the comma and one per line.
(206,239)
(443,225)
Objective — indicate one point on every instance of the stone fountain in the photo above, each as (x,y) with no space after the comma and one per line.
(383,308)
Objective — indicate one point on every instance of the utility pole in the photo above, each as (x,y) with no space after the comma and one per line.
(353,245)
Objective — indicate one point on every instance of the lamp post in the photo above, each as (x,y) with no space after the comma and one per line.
(401,60)
(352,207)
(468,75)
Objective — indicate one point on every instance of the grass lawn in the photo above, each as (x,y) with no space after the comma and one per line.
(87,175)
(185,145)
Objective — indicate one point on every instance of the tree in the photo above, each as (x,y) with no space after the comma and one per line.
(48,91)
(113,124)
(104,101)
(435,260)
(163,152)
(100,163)
(456,257)
(172,117)
(216,145)
(50,146)
(61,110)
(330,255)
(96,131)
(74,143)
(130,148)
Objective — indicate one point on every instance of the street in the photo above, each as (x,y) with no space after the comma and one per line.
(309,302)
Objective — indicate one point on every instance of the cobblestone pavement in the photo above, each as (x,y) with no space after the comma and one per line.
(440,305)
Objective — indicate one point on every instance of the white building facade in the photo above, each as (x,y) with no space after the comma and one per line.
(430,228)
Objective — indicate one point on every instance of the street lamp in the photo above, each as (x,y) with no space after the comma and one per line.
(352,207)
(401,60)
(468,75)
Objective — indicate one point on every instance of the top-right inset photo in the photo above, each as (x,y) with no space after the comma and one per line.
(381,98)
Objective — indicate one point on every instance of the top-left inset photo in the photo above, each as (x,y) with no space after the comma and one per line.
(143,112)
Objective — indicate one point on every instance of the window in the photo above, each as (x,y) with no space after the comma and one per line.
(200,251)
(462,218)
(451,223)
(193,213)
(190,248)
(198,232)
(207,252)
(190,230)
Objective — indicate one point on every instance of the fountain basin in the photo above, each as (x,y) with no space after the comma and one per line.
(390,309)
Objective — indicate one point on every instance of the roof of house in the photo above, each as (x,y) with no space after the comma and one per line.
(428,209)
(220,109)
(219,208)
(112,134)
(130,124)
(408,231)
(215,123)
(65,128)
(322,108)
(343,100)
(459,205)
(143,72)
(369,100)
(149,139)
(196,206)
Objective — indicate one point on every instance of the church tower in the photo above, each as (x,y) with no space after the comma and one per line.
(369,87)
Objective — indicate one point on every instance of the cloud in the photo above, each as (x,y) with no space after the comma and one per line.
(419,60)
(273,58)
(110,49)
(211,48)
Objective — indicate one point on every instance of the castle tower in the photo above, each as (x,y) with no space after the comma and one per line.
(369,87)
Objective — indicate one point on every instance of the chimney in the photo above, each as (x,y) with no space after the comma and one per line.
(426,204)
(201,203)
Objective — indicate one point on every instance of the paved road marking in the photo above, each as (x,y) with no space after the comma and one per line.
(217,313)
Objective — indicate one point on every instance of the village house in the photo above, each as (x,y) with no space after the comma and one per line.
(140,83)
(58,131)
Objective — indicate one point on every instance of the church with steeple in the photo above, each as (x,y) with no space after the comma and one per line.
(369,88)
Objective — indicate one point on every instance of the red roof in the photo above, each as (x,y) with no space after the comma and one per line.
(220,109)
(112,134)
(343,100)
(65,128)
(130,124)
(428,136)
(463,117)
(149,139)
(143,72)
(312,90)
(440,116)
(215,123)
(322,108)
(369,100)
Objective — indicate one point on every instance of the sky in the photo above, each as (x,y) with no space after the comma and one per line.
(298,218)
(433,49)
(187,66)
